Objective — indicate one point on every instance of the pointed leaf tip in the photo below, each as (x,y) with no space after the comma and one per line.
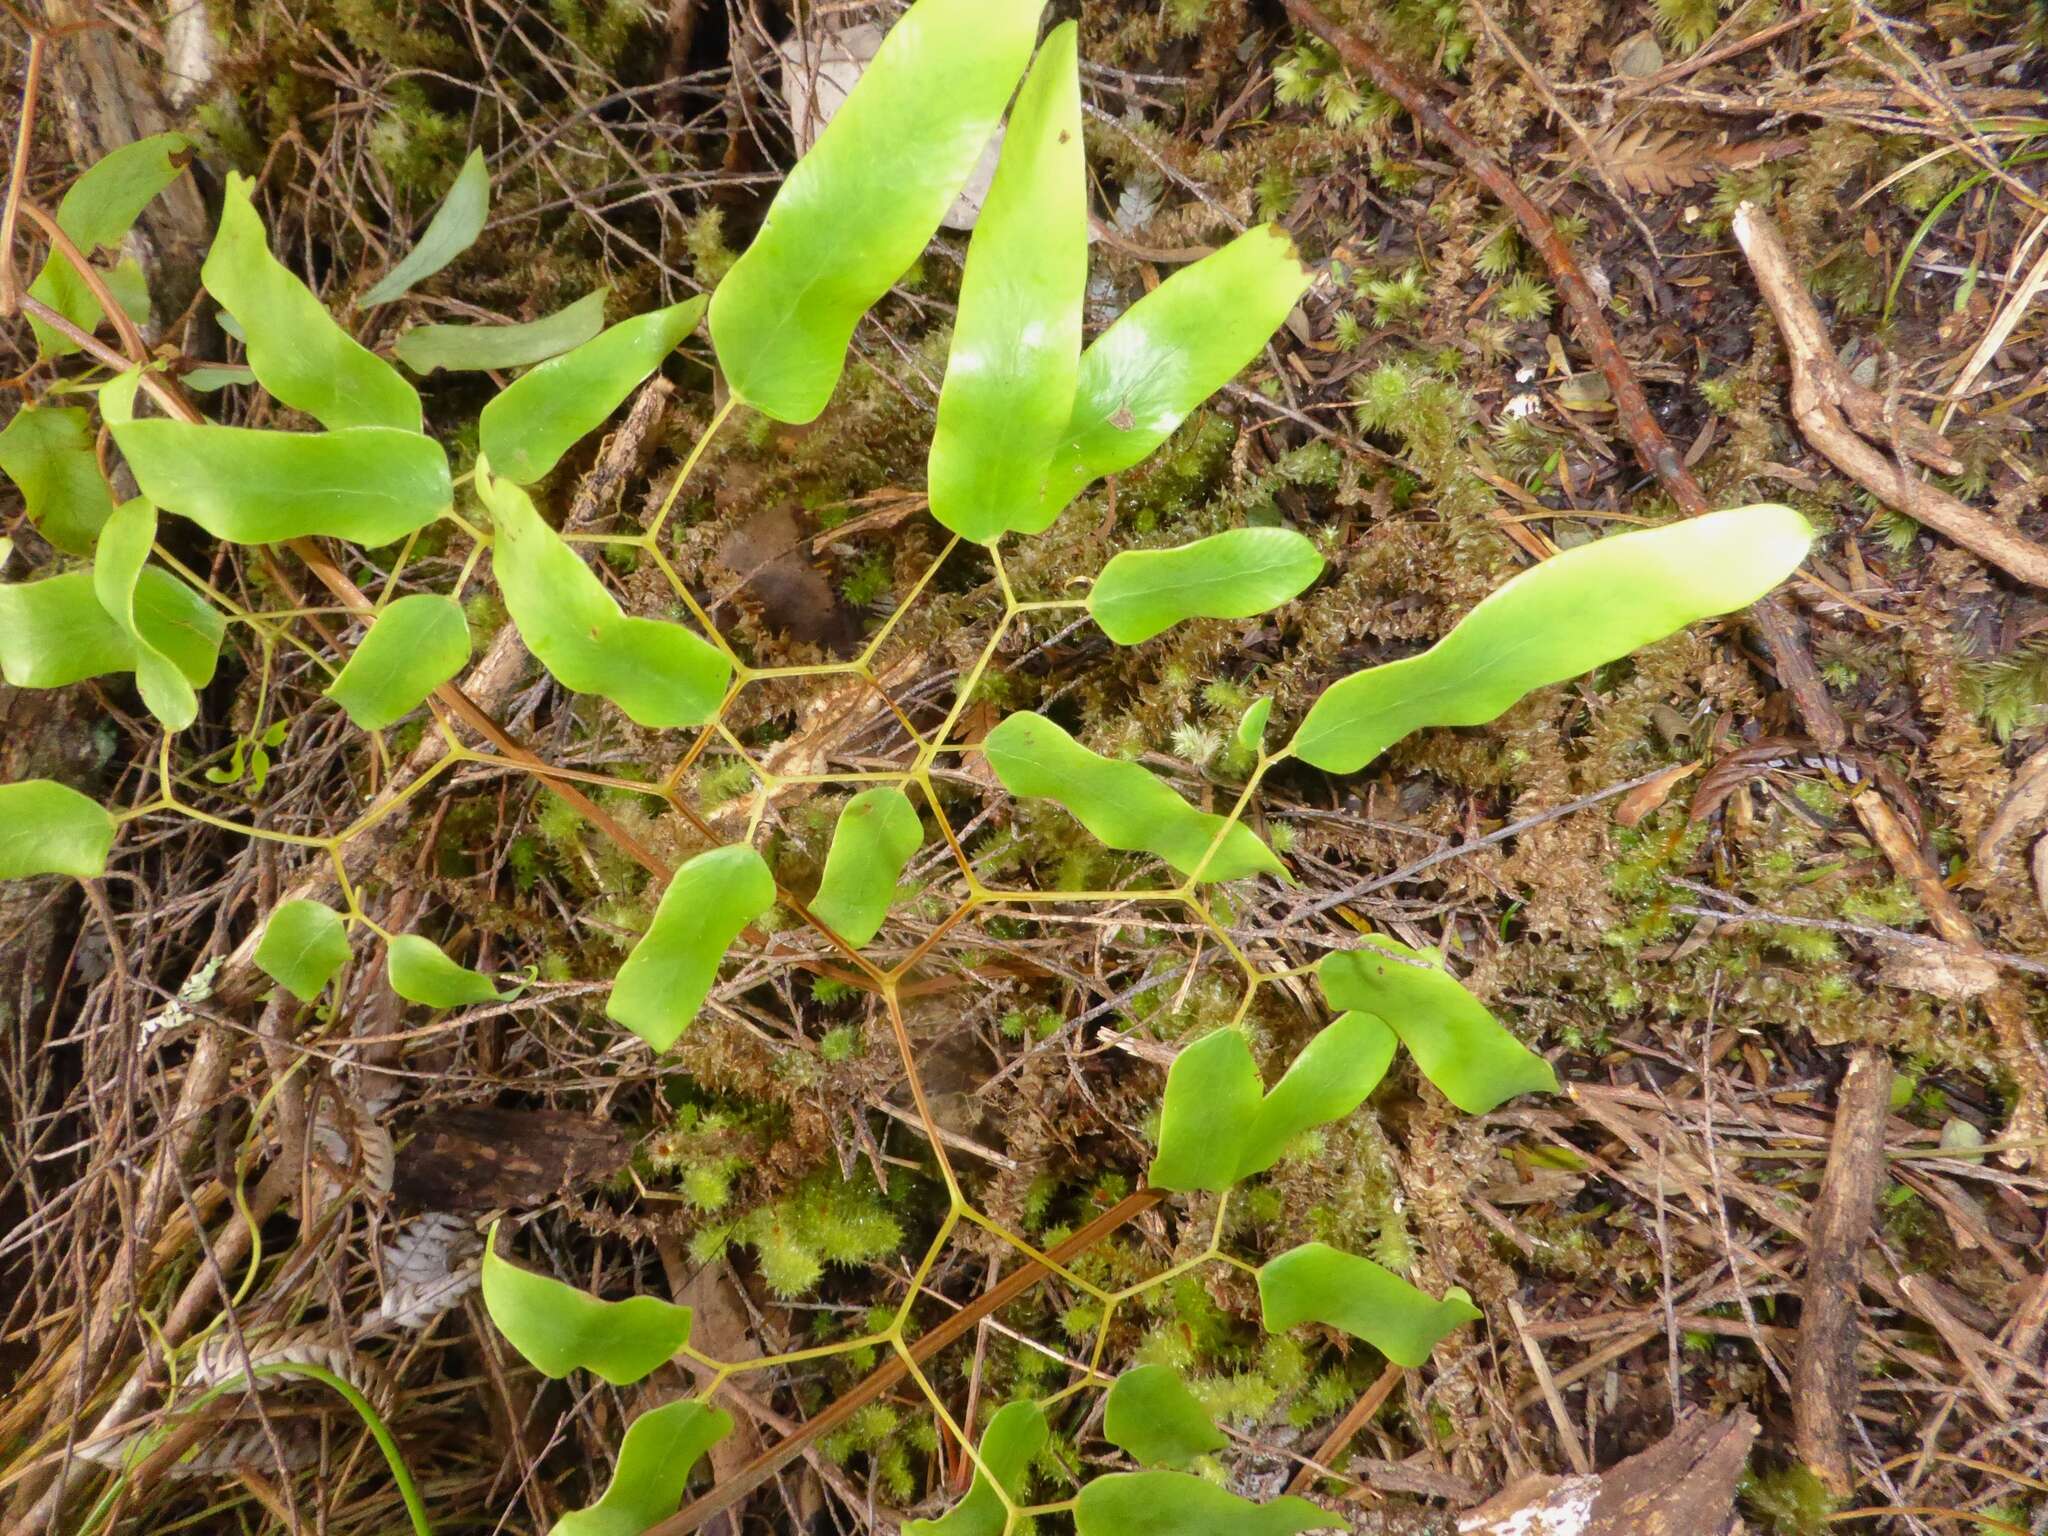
(1574,612)
(1316,1283)
(559,1328)
(1120,803)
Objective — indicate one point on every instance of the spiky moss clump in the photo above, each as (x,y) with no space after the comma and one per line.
(824,1220)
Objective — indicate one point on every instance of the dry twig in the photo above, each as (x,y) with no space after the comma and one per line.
(1838,415)
(1824,1371)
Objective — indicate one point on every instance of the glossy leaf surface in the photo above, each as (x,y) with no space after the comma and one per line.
(1218,1126)
(1168,353)
(661,1449)
(1574,612)
(1458,1045)
(298,351)
(660,674)
(670,971)
(98,211)
(48,828)
(1009,386)
(858,209)
(369,485)
(1231,575)
(303,945)
(117,567)
(415,644)
(46,450)
(420,972)
(469,348)
(560,1329)
(1013,1438)
(1121,804)
(1151,1413)
(1316,1283)
(452,230)
(1177,1504)
(542,414)
(54,632)
(878,831)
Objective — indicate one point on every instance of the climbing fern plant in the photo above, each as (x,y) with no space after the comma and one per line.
(1028,417)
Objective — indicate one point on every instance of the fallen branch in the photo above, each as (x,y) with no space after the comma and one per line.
(1824,1370)
(1838,416)
(1684,1485)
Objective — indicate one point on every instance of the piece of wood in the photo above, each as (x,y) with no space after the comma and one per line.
(1684,1485)
(481,1159)
(1837,415)
(1825,1381)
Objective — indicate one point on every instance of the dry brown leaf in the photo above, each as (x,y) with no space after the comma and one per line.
(1646,797)
(2025,803)
(1654,161)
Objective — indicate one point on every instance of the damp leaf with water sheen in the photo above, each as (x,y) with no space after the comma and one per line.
(412,647)
(421,972)
(1009,386)
(1168,353)
(1316,1283)
(303,945)
(46,450)
(1120,803)
(55,632)
(877,833)
(661,1449)
(473,348)
(1230,575)
(1458,1045)
(670,971)
(1574,612)
(560,1329)
(542,414)
(1151,1413)
(48,828)
(298,351)
(662,675)
(1180,1504)
(859,208)
(451,231)
(1013,1439)
(97,212)
(1218,1126)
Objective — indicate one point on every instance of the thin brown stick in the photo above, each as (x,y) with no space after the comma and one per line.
(1651,445)
(95,284)
(895,1368)
(1836,415)
(1780,629)
(24,134)
(1358,1416)
(1824,1369)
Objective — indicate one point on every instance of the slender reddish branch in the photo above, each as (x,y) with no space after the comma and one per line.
(1655,450)
(891,1371)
